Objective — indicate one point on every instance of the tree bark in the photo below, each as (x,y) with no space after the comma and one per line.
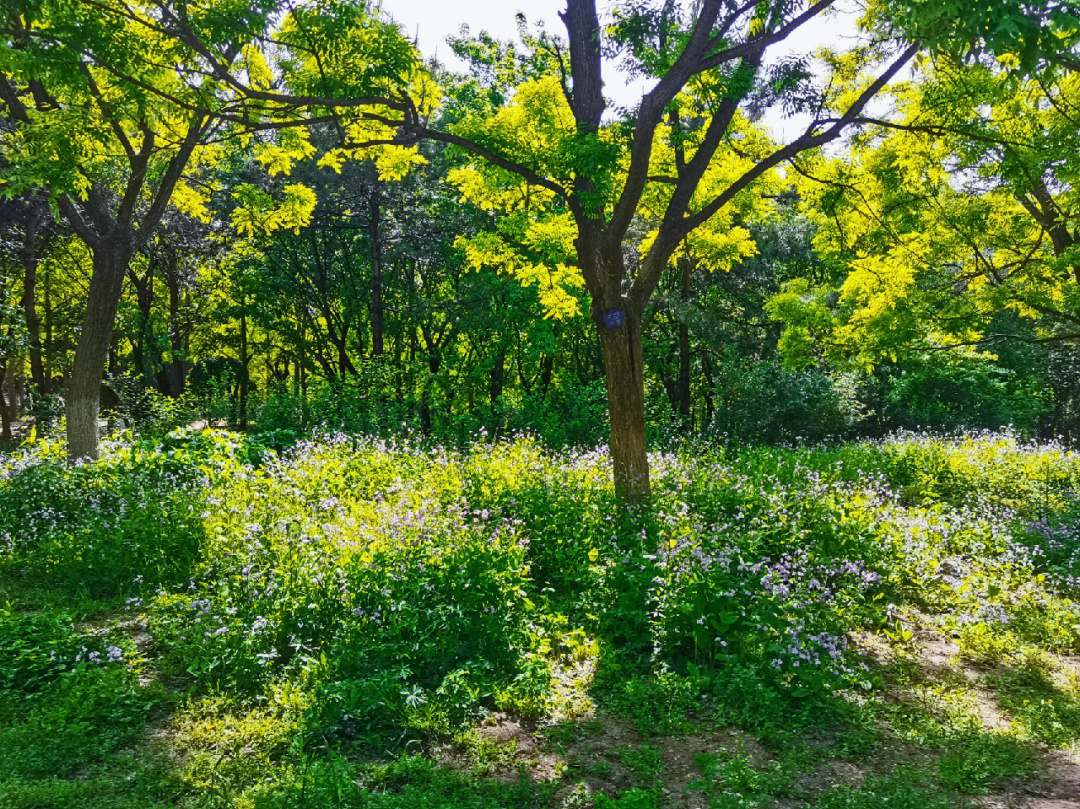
(683,384)
(144,342)
(7,409)
(623,373)
(31,257)
(175,372)
(242,382)
(498,375)
(376,275)
(547,366)
(84,390)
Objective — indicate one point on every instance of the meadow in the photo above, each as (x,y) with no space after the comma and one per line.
(219,620)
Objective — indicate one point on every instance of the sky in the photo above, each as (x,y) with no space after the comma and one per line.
(432,21)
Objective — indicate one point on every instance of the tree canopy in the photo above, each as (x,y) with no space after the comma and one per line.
(242,201)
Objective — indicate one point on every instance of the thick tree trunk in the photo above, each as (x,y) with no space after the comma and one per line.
(624,374)
(84,389)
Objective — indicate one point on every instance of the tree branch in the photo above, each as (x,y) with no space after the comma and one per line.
(658,255)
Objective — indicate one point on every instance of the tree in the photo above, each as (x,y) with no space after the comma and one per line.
(114,109)
(336,60)
(959,210)
(1032,34)
(13,343)
(592,177)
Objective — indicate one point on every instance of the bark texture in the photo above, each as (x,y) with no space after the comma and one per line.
(624,375)
(84,389)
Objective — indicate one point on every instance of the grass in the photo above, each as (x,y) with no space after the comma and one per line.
(211,622)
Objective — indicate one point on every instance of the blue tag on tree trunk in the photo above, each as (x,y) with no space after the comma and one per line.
(613,318)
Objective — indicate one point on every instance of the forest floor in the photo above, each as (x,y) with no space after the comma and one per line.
(365,626)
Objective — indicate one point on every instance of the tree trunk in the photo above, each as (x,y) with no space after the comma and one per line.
(47,346)
(144,342)
(376,276)
(683,384)
(33,326)
(175,372)
(84,390)
(547,366)
(242,383)
(623,372)
(498,374)
(7,410)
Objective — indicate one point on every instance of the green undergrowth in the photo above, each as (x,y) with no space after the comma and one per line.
(218,620)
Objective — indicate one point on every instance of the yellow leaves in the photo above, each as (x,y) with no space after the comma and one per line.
(557,301)
(875,283)
(552,237)
(486,250)
(721,249)
(1009,61)
(473,187)
(334,159)
(259,213)
(478,187)
(394,162)
(714,246)
(189,201)
(279,155)
(426,93)
(556,281)
(533,129)
(254,64)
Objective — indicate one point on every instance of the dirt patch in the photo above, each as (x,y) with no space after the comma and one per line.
(680,756)
(502,747)
(602,754)
(1058,787)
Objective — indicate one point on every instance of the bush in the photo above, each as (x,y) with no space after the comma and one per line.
(365,403)
(407,606)
(762,402)
(130,521)
(940,395)
(148,411)
(347,592)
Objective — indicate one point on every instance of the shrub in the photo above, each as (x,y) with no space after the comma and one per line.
(762,402)
(127,522)
(940,395)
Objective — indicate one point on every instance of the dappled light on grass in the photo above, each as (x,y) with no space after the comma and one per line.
(314,610)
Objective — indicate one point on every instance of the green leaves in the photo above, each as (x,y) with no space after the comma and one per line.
(259,213)
(1029,34)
